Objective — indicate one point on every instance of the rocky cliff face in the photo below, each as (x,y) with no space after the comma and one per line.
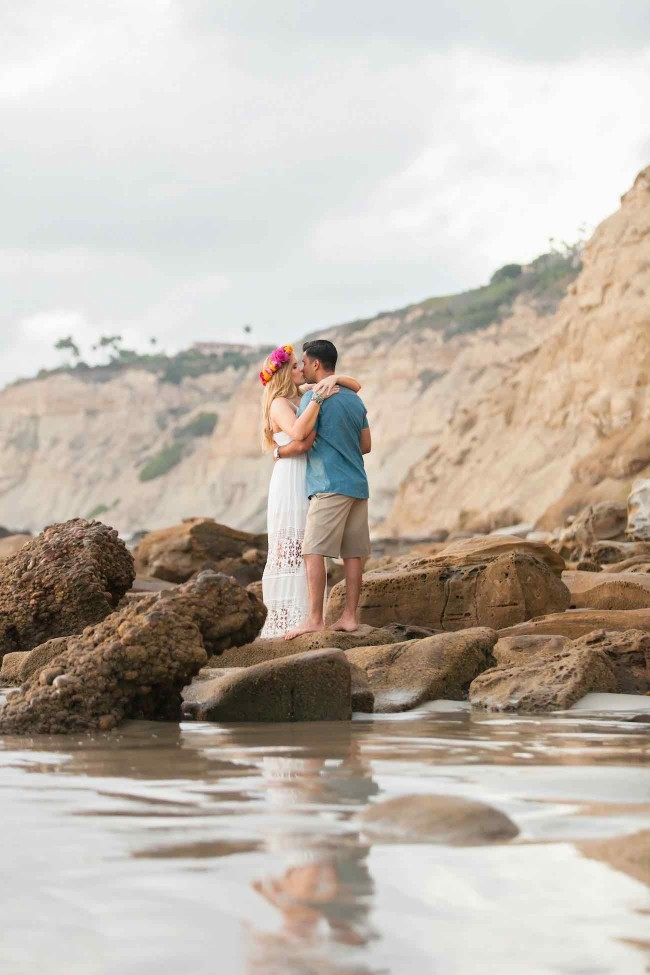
(567,423)
(484,405)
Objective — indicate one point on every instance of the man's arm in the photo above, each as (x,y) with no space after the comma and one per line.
(297,447)
(366,441)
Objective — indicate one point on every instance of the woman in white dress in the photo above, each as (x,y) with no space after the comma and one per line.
(284,583)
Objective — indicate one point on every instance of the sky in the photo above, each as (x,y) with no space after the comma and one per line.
(179,169)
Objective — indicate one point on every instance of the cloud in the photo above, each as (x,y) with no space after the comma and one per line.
(182,169)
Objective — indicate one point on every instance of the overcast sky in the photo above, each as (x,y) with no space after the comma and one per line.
(181,168)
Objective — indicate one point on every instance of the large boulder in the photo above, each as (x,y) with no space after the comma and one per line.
(550,680)
(178,552)
(508,588)
(608,590)
(275,647)
(638,511)
(312,686)
(135,662)
(404,675)
(69,576)
(451,820)
(577,622)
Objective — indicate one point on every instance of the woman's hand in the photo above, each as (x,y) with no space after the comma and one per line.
(326,387)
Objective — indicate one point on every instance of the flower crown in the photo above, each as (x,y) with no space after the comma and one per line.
(277,359)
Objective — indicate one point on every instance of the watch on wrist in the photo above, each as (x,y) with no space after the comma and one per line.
(276,453)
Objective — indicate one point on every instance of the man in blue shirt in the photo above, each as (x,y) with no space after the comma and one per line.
(337,520)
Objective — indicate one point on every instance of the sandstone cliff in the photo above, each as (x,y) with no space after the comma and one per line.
(568,422)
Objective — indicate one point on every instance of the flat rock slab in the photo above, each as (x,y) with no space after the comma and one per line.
(451,820)
(485,548)
(608,590)
(402,676)
(502,591)
(513,651)
(578,622)
(261,650)
(312,686)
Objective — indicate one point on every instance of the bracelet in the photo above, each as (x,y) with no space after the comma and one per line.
(317,399)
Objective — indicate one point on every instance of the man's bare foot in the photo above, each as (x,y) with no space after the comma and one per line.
(346,624)
(309,626)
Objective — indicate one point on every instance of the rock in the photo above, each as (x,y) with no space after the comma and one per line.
(135,662)
(363,700)
(312,686)
(19,666)
(513,651)
(629,655)
(11,544)
(507,589)
(451,820)
(638,511)
(404,631)
(597,522)
(584,565)
(608,590)
(404,675)
(577,622)
(637,563)
(255,588)
(276,647)
(606,553)
(178,552)
(629,854)
(550,680)
(69,576)
(479,549)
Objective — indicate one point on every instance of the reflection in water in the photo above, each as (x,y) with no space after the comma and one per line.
(235,849)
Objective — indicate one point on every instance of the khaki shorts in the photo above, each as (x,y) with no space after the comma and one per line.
(337,527)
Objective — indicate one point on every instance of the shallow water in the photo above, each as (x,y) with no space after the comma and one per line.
(235,849)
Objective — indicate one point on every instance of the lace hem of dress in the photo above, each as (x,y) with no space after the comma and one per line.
(285,550)
(281,619)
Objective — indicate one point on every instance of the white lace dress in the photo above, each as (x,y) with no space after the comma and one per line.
(284,583)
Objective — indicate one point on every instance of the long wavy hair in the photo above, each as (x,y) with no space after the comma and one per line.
(280,384)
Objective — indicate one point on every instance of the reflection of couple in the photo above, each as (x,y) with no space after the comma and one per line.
(318,496)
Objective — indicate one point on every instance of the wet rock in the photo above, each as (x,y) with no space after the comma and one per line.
(638,511)
(404,675)
(276,647)
(577,622)
(608,590)
(11,544)
(550,680)
(19,666)
(312,686)
(135,662)
(178,552)
(509,588)
(451,820)
(69,576)
(513,651)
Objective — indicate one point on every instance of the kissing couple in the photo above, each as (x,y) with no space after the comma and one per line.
(317,427)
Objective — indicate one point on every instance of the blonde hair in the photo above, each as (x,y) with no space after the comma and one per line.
(280,384)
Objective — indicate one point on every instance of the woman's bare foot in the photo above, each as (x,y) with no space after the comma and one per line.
(348,624)
(309,626)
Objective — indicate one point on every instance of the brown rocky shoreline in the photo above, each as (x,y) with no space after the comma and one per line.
(504,622)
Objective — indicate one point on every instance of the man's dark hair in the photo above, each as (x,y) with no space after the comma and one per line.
(324,351)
